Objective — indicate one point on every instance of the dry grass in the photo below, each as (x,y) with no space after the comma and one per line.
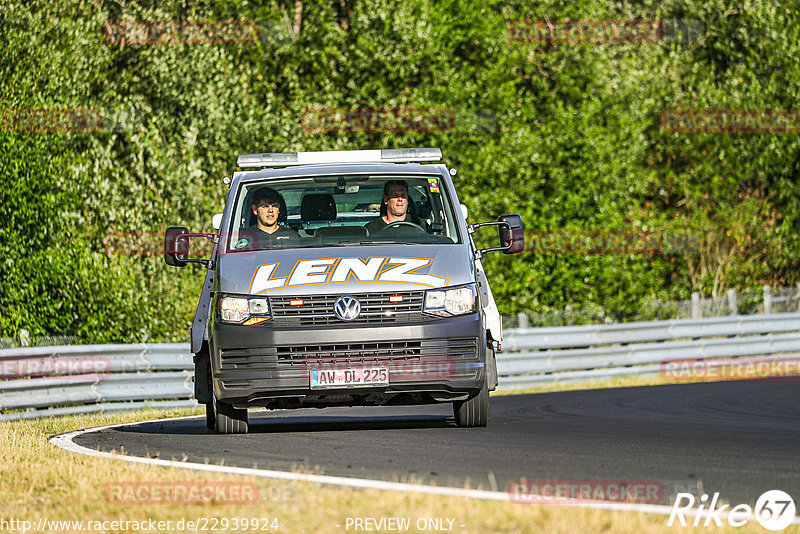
(38,480)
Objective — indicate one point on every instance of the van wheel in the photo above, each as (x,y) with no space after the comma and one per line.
(491,369)
(211,416)
(211,419)
(473,412)
(227,419)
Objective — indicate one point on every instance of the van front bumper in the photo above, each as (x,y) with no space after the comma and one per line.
(435,361)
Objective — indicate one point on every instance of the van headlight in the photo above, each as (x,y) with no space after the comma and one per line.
(460,300)
(240,309)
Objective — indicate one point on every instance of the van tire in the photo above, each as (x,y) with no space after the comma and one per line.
(211,419)
(227,419)
(491,369)
(473,412)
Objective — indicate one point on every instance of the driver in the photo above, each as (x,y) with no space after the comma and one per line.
(395,205)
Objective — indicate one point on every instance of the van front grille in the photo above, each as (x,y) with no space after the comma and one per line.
(317,310)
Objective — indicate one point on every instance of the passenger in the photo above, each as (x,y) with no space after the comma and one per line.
(395,207)
(270,210)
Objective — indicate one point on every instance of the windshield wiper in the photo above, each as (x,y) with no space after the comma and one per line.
(322,245)
(387,243)
(359,243)
(275,247)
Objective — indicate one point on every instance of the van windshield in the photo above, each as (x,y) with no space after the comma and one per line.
(342,210)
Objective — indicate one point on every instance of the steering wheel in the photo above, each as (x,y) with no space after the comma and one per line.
(403,223)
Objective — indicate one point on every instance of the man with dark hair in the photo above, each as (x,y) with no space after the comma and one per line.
(270,209)
(394,207)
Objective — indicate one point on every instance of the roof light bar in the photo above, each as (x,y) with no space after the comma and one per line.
(411,154)
(266,160)
(283,159)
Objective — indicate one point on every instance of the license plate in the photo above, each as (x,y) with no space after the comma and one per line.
(351,377)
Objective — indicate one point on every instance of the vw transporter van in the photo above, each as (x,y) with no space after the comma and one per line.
(344,278)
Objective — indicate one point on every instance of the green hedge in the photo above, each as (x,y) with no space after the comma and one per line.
(566,134)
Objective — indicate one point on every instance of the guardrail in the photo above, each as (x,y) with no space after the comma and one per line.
(551,355)
(48,381)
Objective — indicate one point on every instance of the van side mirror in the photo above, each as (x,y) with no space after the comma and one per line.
(176,246)
(512,236)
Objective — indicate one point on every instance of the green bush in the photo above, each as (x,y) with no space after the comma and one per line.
(566,134)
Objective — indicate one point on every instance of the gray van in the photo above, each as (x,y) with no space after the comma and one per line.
(344,278)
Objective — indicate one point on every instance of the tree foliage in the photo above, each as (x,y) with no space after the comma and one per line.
(566,134)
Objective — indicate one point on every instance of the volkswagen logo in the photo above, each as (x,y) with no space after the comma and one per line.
(347,308)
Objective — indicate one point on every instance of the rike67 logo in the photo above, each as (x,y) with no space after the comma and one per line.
(774,510)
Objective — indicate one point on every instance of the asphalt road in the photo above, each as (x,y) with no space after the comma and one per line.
(736,438)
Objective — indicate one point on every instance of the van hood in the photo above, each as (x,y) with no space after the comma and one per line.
(334,270)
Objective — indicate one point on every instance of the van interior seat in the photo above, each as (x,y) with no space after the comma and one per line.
(318,207)
(341,231)
(322,207)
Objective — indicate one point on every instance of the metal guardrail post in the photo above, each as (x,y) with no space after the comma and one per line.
(696,312)
(798,297)
(732,304)
(767,300)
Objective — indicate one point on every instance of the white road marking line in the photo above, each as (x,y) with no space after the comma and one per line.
(65,442)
